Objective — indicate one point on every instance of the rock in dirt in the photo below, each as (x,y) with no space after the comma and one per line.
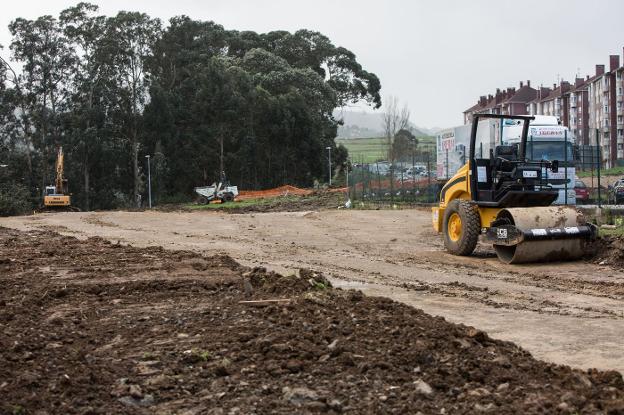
(299,396)
(423,387)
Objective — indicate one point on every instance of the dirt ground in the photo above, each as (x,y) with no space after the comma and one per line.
(567,313)
(94,327)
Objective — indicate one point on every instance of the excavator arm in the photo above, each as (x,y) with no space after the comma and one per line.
(60,170)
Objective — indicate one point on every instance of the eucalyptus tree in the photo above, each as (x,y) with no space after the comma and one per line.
(91,92)
(47,59)
(128,43)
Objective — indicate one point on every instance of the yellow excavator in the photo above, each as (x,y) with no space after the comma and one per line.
(57,197)
(506,199)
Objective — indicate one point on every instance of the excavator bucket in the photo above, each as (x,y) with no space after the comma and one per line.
(540,234)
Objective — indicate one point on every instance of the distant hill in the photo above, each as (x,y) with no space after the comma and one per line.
(361,124)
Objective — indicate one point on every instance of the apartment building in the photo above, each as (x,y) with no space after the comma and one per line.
(578,115)
(511,101)
(591,107)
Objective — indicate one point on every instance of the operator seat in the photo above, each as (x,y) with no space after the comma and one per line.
(504,156)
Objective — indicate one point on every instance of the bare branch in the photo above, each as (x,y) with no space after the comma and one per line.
(393,120)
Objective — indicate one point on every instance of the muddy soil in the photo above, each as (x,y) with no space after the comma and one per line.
(608,250)
(569,313)
(97,327)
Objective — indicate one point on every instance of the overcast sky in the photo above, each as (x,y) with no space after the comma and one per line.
(436,55)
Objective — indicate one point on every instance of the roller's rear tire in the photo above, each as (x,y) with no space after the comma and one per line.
(461,227)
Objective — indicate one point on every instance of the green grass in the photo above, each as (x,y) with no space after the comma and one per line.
(365,150)
(619,231)
(232,205)
(370,150)
(616,171)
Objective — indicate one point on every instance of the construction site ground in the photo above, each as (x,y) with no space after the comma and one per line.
(98,327)
(569,313)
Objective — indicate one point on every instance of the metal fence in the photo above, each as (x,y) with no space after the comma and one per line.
(410,181)
(414,180)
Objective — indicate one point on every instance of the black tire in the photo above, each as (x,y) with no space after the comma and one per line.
(470,230)
(227,197)
(202,200)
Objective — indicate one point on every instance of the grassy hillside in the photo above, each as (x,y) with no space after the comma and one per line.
(369,150)
(364,150)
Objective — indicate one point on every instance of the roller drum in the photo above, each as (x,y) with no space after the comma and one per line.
(547,249)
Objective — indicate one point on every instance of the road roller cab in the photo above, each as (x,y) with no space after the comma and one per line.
(506,198)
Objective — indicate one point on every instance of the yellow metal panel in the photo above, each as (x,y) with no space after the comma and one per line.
(56,201)
(457,187)
(436,217)
(487,216)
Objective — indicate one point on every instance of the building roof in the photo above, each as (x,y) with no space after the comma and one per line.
(474,107)
(522,95)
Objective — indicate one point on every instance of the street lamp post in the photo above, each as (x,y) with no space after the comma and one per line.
(329,162)
(149,182)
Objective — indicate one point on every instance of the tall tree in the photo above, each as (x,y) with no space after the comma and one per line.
(48,60)
(130,38)
(90,84)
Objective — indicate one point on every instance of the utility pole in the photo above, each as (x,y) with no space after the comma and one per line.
(329,163)
(149,182)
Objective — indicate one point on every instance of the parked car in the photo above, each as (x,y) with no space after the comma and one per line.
(615,192)
(582,192)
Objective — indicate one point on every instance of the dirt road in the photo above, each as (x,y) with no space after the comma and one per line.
(571,313)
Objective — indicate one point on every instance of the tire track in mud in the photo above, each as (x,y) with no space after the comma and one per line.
(598,288)
(494,298)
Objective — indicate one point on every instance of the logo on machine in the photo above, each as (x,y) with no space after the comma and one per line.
(554,132)
(501,233)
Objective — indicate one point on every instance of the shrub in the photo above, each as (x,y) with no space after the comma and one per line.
(14,199)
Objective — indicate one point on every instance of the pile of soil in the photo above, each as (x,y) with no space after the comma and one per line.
(314,201)
(94,327)
(607,250)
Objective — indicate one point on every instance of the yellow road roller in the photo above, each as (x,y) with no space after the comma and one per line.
(506,199)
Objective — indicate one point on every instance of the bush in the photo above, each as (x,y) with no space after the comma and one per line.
(14,200)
